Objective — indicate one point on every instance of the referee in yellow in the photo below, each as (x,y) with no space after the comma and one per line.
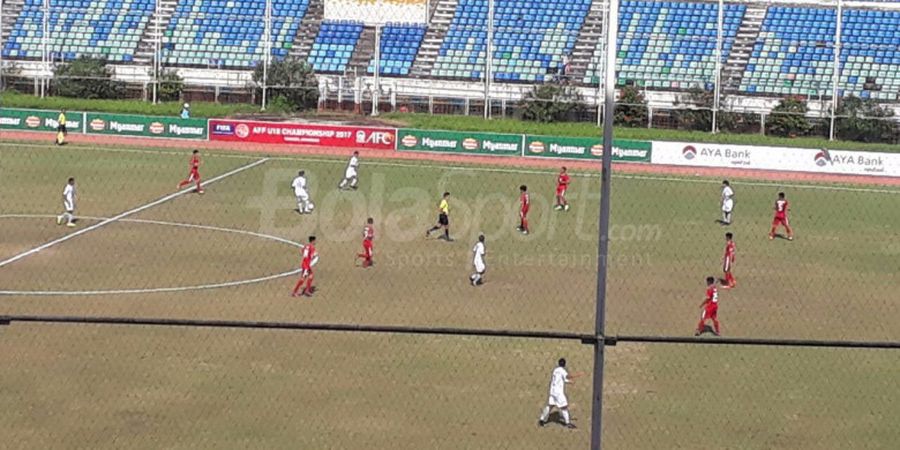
(61,128)
(443,219)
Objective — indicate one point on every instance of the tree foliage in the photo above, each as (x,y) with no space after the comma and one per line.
(864,120)
(631,108)
(788,118)
(87,78)
(552,102)
(170,86)
(293,84)
(695,113)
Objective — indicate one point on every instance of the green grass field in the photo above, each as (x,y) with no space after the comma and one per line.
(144,387)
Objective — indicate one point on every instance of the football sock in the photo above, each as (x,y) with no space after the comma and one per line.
(353,182)
(298,285)
(525,224)
(309,281)
(545,414)
(342,183)
(565,415)
(716,325)
(447,234)
(700,326)
(432,229)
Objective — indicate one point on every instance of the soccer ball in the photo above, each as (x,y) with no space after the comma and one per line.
(310,207)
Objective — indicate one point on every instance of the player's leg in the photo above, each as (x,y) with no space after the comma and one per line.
(774,229)
(715,320)
(309,284)
(564,413)
(702,324)
(525,229)
(353,181)
(729,278)
(196,177)
(790,231)
(545,415)
(299,284)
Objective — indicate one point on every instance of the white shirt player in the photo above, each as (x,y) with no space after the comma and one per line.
(558,380)
(299,185)
(69,198)
(478,257)
(352,167)
(727,199)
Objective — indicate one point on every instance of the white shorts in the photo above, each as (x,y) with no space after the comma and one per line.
(302,196)
(69,206)
(350,173)
(559,401)
(479,266)
(728,205)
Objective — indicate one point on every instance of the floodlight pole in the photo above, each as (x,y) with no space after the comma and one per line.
(376,89)
(718,67)
(157,53)
(1,45)
(600,81)
(267,32)
(603,251)
(489,60)
(836,72)
(45,57)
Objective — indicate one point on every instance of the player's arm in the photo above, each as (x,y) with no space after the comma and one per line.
(571,378)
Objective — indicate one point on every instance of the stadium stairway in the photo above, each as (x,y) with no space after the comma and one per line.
(591,33)
(147,44)
(309,28)
(747,35)
(363,53)
(441,17)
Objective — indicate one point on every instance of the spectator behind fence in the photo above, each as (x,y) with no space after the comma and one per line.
(186,111)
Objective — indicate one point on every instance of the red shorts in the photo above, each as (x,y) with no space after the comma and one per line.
(523,213)
(367,247)
(306,271)
(710,312)
(561,190)
(726,267)
(779,221)
(194,175)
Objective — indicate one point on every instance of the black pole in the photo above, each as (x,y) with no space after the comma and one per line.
(603,252)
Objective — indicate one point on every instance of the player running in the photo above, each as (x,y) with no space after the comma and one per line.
(350,174)
(525,205)
(710,307)
(728,262)
(781,217)
(562,185)
(368,238)
(727,202)
(443,219)
(310,259)
(477,278)
(194,175)
(557,398)
(304,205)
(68,215)
(61,131)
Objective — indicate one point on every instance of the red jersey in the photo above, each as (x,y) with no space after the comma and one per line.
(195,163)
(728,259)
(309,255)
(369,233)
(781,208)
(562,182)
(712,297)
(526,201)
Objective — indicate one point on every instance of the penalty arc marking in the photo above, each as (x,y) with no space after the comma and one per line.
(160,289)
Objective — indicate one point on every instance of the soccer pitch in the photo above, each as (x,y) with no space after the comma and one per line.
(230,254)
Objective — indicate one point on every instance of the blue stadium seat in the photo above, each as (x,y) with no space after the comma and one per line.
(334,46)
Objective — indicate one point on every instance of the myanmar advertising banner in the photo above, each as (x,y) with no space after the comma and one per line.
(410,140)
(145,126)
(302,134)
(38,120)
(587,148)
(776,158)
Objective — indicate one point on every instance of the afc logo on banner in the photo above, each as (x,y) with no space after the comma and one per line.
(375,137)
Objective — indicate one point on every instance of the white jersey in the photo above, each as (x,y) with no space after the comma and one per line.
(299,186)
(727,194)
(558,380)
(69,197)
(478,255)
(353,164)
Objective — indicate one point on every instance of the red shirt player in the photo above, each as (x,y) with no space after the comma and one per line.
(368,238)
(310,258)
(194,175)
(728,262)
(523,211)
(710,307)
(781,217)
(562,185)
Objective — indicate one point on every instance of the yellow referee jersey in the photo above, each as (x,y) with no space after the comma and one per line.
(445,206)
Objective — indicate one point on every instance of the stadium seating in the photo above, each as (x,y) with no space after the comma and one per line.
(399,45)
(531,39)
(794,54)
(669,45)
(110,29)
(334,46)
(229,33)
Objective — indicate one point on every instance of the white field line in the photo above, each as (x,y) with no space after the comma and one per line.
(160,289)
(475,168)
(127,213)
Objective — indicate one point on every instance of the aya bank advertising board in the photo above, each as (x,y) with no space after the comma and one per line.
(302,134)
(776,158)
